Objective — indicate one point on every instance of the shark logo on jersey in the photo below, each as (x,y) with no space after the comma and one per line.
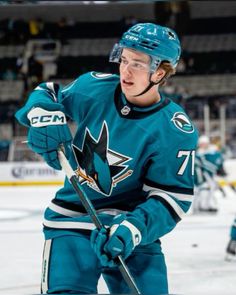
(182,122)
(98,166)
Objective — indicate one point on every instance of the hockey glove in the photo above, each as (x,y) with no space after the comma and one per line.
(124,234)
(49,130)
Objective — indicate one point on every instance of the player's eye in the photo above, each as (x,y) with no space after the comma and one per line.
(138,66)
(123,61)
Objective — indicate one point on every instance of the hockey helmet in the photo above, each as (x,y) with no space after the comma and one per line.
(160,43)
(204,140)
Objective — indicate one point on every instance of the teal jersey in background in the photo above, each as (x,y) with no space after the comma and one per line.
(208,163)
(127,158)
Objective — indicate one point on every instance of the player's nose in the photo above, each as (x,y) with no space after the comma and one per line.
(126,70)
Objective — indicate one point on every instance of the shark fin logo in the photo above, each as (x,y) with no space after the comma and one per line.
(98,166)
(181,121)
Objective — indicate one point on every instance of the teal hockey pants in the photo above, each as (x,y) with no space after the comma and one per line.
(70,266)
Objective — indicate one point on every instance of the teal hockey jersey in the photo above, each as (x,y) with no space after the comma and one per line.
(208,163)
(127,158)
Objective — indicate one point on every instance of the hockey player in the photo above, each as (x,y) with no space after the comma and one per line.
(231,246)
(209,163)
(133,152)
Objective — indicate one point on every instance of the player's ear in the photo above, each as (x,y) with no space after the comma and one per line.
(158,75)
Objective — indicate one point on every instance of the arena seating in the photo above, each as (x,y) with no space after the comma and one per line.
(208,58)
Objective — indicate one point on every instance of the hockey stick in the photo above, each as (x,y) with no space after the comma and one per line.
(72,177)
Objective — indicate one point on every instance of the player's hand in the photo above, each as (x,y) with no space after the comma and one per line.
(47,132)
(121,239)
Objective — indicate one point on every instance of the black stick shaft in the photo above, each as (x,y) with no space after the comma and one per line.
(93,214)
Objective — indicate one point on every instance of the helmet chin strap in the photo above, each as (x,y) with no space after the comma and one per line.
(151,84)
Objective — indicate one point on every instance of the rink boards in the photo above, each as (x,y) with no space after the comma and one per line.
(39,173)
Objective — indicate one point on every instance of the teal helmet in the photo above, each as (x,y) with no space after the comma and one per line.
(160,43)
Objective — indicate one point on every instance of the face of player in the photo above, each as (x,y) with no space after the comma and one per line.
(134,78)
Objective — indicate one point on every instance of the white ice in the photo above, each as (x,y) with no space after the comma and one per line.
(195,250)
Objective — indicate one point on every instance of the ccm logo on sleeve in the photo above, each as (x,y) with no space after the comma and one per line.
(39,117)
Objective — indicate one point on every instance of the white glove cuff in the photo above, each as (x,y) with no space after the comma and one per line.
(136,234)
(39,117)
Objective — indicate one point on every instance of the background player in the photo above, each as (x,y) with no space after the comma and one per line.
(209,164)
(231,246)
(134,154)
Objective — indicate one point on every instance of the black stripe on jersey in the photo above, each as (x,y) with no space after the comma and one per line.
(75,230)
(52,95)
(51,91)
(134,113)
(169,188)
(125,202)
(56,87)
(172,212)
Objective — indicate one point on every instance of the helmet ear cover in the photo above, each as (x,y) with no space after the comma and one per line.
(116,52)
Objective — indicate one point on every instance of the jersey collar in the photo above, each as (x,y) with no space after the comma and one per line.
(128,110)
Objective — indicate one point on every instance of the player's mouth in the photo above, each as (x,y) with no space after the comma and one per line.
(126,83)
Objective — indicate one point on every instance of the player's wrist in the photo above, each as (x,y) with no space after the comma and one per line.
(40,117)
(137,228)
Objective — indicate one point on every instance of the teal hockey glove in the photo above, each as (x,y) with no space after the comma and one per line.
(124,235)
(48,130)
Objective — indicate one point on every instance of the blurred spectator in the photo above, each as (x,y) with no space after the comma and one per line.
(181,67)
(4,149)
(35,71)
(11,34)
(191,65)
(62,29)
(9,75)
(21,74)
(130,21)
(214,104)
(180,16)
(36,27)
(19,63)
(162,11)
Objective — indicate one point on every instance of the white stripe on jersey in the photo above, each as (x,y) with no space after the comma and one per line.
(50,86)
(50,89)
(72,213)
(65,212)
(69,225)
(211,167)
(178,210)
(68,87)
(39,88)
(157,191)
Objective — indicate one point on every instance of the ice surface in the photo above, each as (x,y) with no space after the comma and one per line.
(195,250)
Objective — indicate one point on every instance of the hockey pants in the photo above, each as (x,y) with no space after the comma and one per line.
(70,266)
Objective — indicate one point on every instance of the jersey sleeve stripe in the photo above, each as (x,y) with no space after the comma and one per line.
(49,89)
(68,87)
(172,189)
(209,166)
(178,196)
(175,210)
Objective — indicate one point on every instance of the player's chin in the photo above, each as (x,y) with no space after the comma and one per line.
(130,90)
